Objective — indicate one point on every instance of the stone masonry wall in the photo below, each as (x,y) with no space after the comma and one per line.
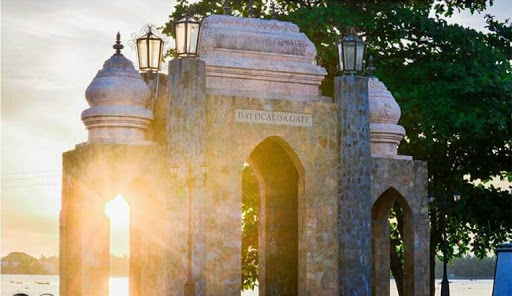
(409,179)
(354,269)
(229,144)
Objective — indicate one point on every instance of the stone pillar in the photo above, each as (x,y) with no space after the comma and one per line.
(354,187)
(186,132)
(187,108)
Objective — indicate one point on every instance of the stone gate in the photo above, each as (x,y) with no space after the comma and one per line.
(327,169)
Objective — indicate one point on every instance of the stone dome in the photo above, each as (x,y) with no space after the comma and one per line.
(383,107)
(118,97)
(118,83)
(385,133)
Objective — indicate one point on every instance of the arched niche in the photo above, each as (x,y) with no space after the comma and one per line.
(280,176)
(381,244)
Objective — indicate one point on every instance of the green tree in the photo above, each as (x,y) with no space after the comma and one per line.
(20,263)
(250,223)
(454,86)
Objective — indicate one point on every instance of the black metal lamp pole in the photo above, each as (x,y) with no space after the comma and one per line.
(445,286)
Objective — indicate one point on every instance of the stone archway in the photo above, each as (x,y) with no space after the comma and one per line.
(381,244)
(279,175)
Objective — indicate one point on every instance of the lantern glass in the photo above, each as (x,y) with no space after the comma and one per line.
(360,47)
(187,37)
(193,32)
(349,55)
(150,50)
(142,53)
(181,38)
(155,53)
(352,50)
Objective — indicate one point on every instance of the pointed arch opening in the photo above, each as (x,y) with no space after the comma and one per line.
(271,185)
(118,212)
(392,244)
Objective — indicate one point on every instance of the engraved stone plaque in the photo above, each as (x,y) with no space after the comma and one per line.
(275,118)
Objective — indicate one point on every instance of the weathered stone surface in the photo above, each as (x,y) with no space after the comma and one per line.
(186,144)
(217,237)
(406,182)
(354,205)
(250,54)
(159,104)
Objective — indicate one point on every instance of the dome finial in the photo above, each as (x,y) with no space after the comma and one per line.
(370,69)
(227,9)
(251,8)
(273,9)
(118,46)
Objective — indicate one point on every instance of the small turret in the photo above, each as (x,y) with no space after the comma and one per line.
(385,133)
(118,97)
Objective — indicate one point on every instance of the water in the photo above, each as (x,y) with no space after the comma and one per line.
(38,284)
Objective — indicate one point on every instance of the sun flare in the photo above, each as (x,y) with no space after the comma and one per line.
(118,212)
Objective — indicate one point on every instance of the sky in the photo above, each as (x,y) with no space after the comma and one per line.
(50,52)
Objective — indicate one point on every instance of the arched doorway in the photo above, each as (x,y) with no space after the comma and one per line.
(392,247)
(277,173)
(118,213)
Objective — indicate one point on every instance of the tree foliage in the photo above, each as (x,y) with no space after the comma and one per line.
(250,229)
(454,86)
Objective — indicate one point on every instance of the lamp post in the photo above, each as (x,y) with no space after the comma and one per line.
(445,284)
(187,31)
(191,182)
(150,49)
(351,51)
(352,100)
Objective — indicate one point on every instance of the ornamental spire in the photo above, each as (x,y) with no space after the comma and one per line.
(118,46)
(227,9)
(251,8)
(370,69)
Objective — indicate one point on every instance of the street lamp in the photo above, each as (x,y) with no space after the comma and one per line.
(445,285)
(191,182)
(351,51)
(150,48)
(187,36)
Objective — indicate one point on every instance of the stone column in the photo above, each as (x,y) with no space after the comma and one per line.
(186,132)
(187,108)
(354,187)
